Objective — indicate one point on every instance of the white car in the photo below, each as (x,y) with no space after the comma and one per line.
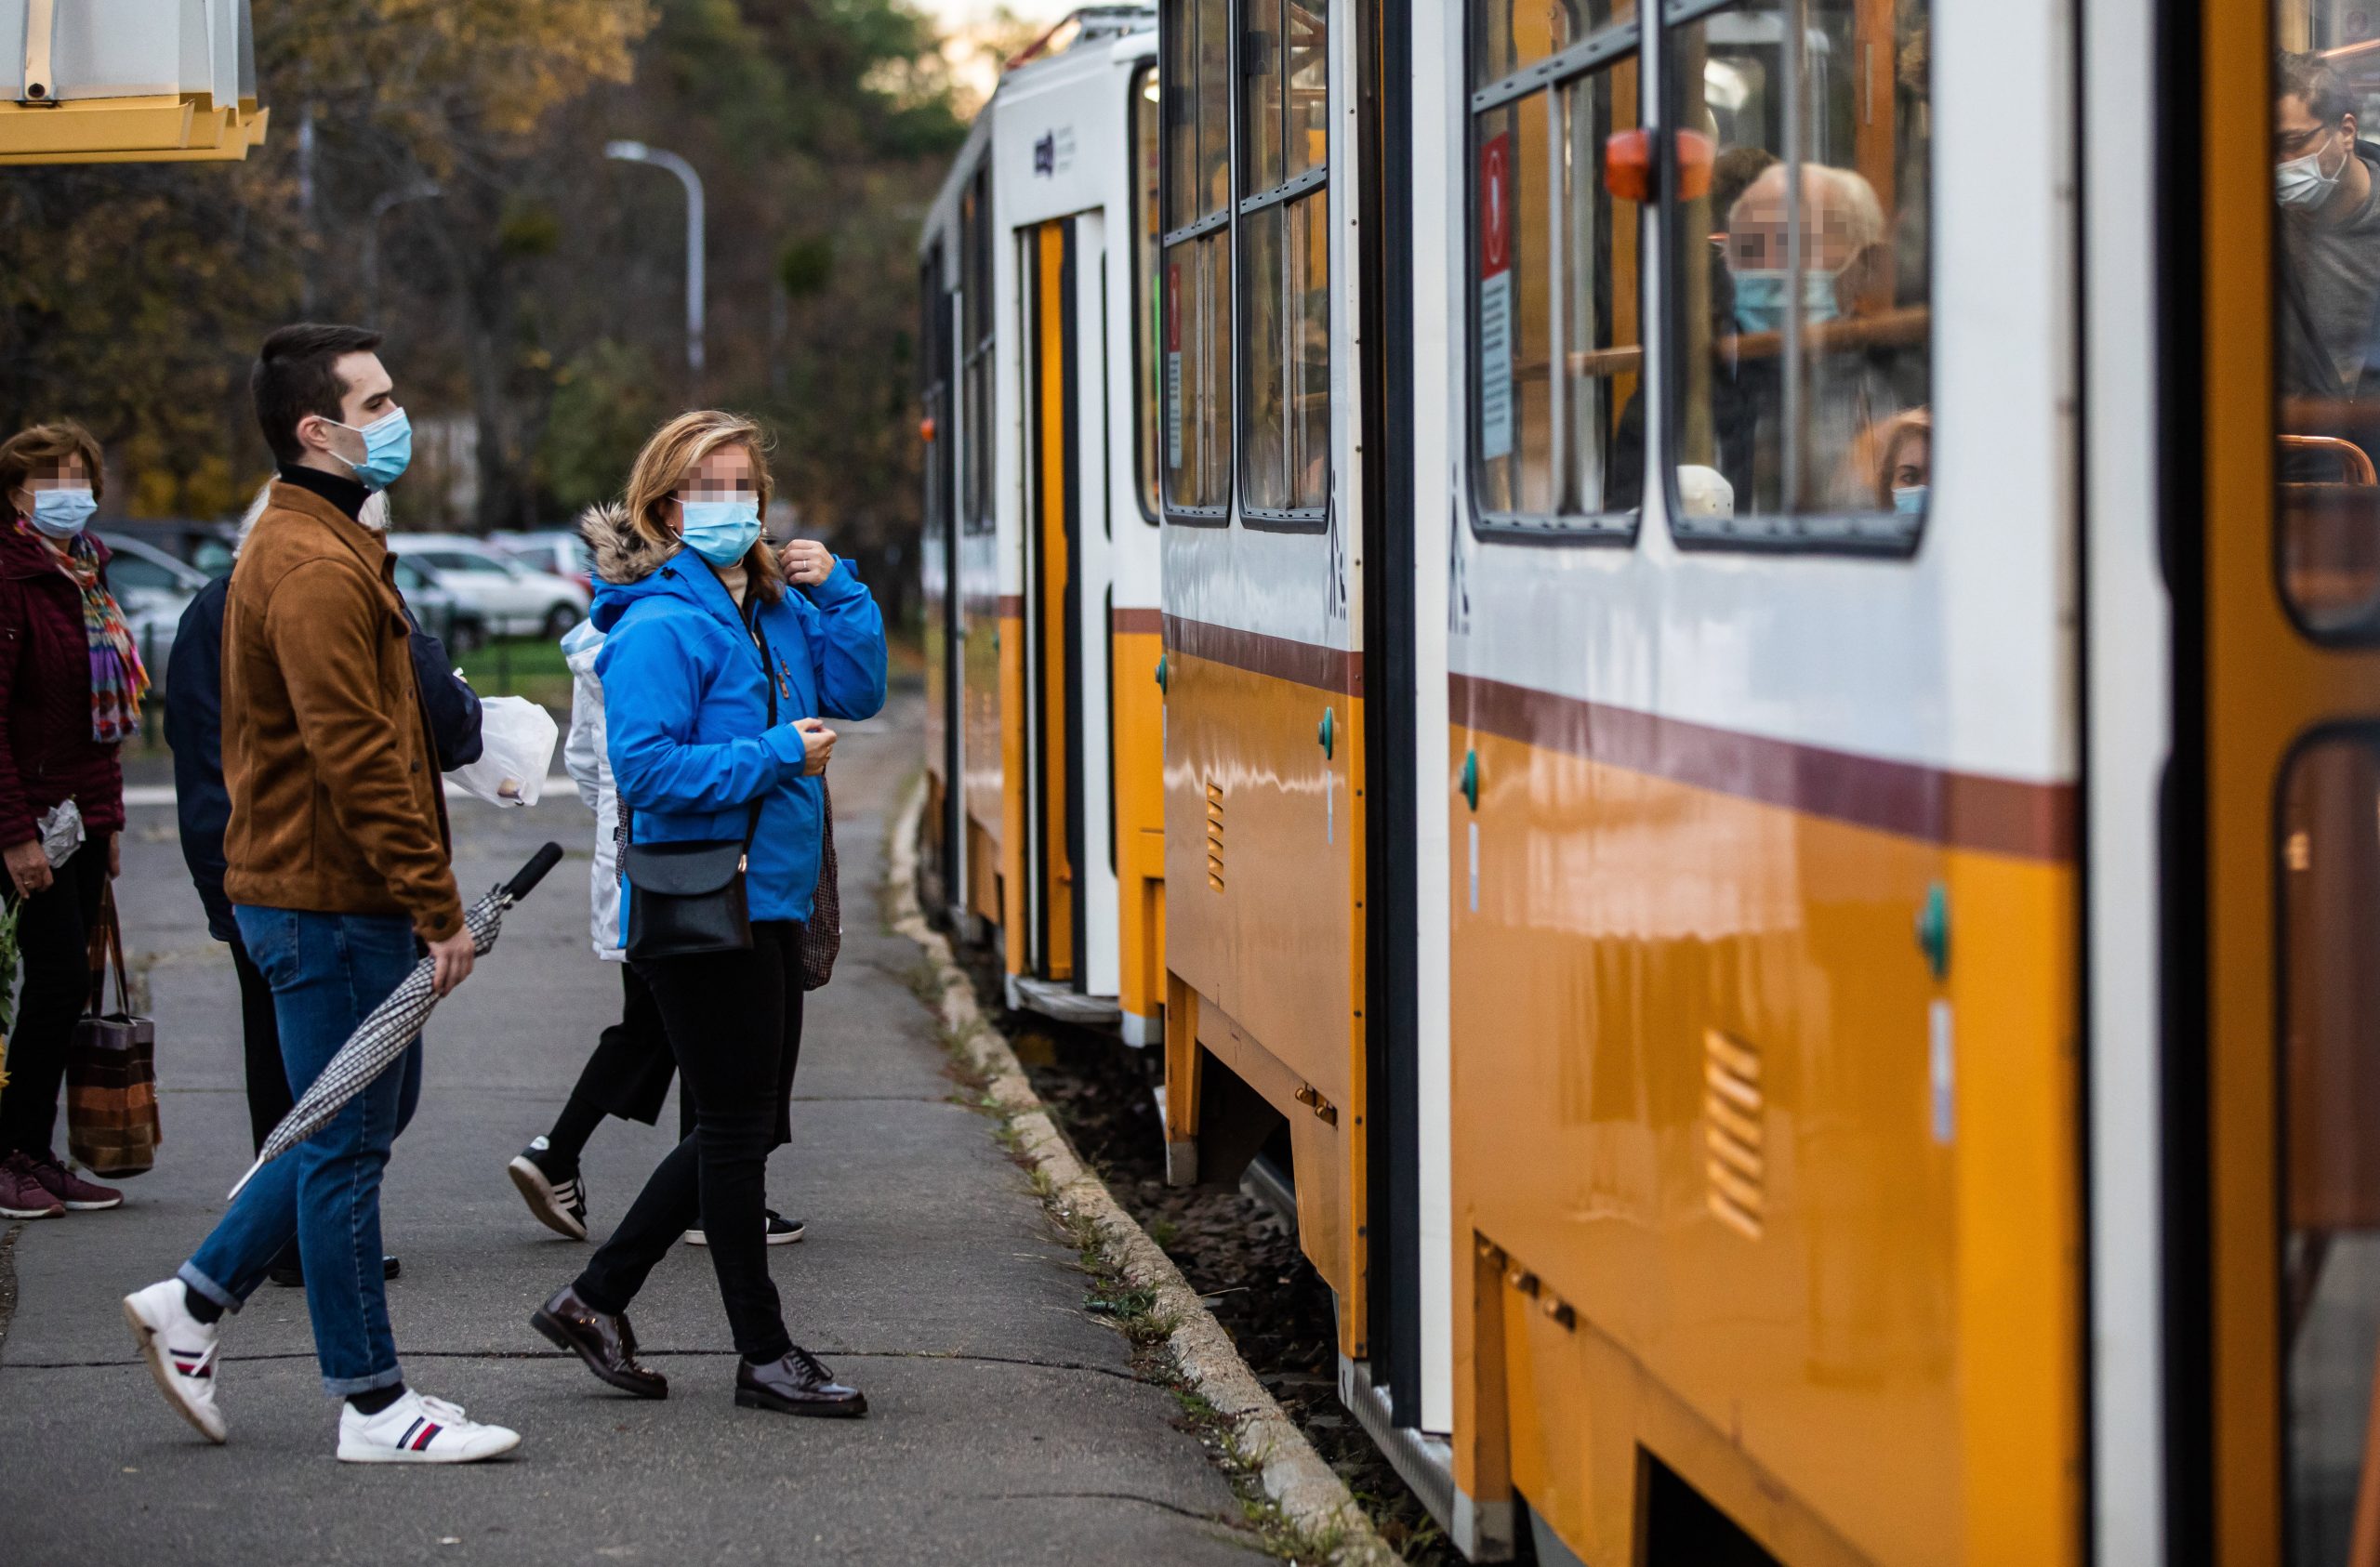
(509,599)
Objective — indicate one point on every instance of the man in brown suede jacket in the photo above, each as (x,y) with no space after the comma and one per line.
(336,866)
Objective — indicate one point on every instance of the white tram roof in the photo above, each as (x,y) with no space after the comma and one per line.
(1084,47)
(127,81)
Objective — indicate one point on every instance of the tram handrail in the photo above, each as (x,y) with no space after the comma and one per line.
(1902,328)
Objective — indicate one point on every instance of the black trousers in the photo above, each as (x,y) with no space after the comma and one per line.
(269,1096)
(629,1073)
(53,944)
(734,1024)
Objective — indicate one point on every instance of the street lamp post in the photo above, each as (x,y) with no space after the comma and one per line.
(420,192)
(638,152)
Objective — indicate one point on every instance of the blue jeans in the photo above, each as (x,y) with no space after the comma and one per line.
(327,971)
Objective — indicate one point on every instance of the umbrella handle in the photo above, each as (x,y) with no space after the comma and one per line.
(524,881)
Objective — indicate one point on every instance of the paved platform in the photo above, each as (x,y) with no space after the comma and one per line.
(1007,1425)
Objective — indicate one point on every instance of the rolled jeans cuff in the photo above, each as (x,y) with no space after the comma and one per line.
(348,1387)
(200,1284)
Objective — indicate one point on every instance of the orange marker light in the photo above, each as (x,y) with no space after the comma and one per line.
(925,431)
(1629,172)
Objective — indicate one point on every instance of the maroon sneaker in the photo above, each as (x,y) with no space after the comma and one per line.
(21,1193)
(74,1193)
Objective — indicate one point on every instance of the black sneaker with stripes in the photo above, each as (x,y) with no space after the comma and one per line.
(560,1204)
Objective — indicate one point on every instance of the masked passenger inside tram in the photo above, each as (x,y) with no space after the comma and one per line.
(1848,386)
(2327,181)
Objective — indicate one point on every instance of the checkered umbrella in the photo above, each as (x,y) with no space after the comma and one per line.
(394,1024)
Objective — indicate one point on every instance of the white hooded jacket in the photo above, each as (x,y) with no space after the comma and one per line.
(588,758)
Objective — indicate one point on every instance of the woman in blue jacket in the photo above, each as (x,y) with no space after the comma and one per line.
(706,634)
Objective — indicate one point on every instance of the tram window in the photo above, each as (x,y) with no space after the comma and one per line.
(1508,35)
(1800,289)
(978,513)
(1285,264)
(1148,335)
(1195,390)
(1197,375)
(2326,326)
(2330,1079)
(1557,409)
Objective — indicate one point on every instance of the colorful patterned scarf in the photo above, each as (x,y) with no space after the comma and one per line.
(118,682)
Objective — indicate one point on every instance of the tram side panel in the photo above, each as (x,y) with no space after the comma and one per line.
(1762,966)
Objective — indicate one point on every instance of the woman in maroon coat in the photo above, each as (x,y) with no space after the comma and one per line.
(71,684)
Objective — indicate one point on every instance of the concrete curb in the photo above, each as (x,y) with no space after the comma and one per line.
(1311,1497)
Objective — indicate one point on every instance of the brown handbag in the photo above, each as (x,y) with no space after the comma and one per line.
(111,1125)
(821,934)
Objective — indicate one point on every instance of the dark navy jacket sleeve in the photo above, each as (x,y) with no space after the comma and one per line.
(847,646)
(454,707)
(194,730)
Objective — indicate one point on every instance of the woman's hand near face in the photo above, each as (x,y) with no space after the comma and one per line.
(818,743)
(807,562)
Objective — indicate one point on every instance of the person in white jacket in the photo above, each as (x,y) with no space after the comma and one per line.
(628,1074)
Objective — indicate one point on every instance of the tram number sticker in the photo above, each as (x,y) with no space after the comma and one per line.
(1496,298)
(1173,365)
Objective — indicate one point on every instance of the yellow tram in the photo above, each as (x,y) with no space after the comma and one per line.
(1767,789)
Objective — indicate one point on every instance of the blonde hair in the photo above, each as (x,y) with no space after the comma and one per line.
(676,448)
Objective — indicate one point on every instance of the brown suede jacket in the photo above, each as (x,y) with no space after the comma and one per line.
(336,802)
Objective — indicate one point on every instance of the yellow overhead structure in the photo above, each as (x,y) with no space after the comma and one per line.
(127,81)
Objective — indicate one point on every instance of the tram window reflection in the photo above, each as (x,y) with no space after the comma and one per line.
(2326,331)
(1804,326)
(1557,419)
(1509,35)
(1285,268)
(977,512)
(1194,305)
(1148,337)
(2330,854)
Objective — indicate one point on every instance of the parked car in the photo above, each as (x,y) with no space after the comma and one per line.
(443,615)
(509,599)
(550,549)
(153,589)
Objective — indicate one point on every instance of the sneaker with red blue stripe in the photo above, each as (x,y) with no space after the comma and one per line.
(180,1351)
(419,1429)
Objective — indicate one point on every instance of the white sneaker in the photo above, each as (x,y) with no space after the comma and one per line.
(181,1353)
(417,1430)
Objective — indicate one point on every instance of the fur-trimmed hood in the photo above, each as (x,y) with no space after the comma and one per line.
(622,554)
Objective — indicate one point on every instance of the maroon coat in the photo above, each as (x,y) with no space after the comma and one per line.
(46,752)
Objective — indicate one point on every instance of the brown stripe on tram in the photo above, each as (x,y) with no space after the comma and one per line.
(1136,623)
(1305,664)
(1961,809)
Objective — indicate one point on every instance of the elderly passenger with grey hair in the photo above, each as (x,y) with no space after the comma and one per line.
(1840,276)
(194,730)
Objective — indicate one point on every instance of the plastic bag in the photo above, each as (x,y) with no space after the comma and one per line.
(516,739)
(61,833)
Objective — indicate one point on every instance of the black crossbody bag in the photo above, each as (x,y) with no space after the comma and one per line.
(688,898)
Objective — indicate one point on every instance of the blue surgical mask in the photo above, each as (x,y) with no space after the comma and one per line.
(721,531)
(387,447)
(1909,499)
(62,513)
(1761,296)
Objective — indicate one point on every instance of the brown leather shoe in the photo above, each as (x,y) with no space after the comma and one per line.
(602,1339)
(799,1384)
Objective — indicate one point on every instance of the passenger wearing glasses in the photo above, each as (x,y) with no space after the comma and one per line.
(721,663)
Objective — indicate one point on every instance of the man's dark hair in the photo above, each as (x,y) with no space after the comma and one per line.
(295,375)
(2323,89)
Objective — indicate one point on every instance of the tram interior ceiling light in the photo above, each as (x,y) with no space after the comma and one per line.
(138,81)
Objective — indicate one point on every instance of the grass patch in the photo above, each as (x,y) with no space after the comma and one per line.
(529,666)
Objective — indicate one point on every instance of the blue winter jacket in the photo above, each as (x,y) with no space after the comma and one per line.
(687,716)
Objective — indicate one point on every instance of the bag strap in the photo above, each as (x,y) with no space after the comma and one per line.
(107,946)
(768,685)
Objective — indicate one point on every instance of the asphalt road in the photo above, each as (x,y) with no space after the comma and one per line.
(1006,1423)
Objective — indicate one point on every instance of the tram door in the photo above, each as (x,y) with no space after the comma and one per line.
(1066,777)
(2286,623)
